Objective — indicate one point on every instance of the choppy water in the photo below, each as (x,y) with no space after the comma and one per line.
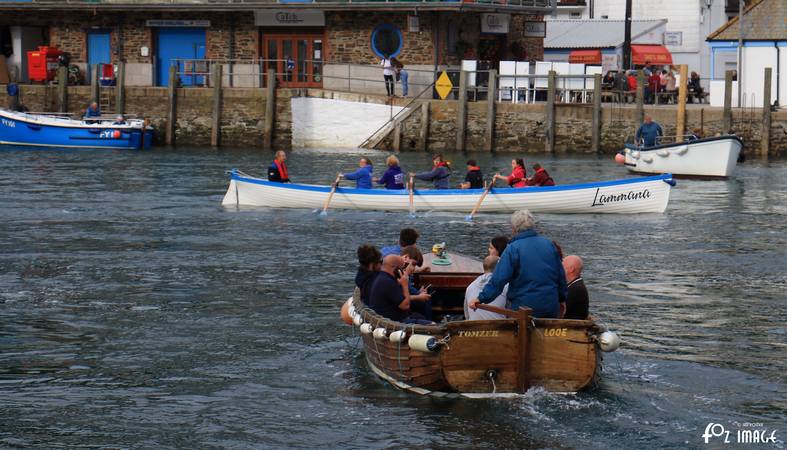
(136,312)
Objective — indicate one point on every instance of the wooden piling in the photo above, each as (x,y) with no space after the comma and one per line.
(491,96)
(397,137)
(765,135)
(62,88)
(680,123)
(95,85)
(727,102)
(640,99)
(172,105)
(215,130)
(461,112)
(423,135)
(120,88)
(596,131)
(549,121)
(270,110)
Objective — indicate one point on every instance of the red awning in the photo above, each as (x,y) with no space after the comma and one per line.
(650,54)
(585,57)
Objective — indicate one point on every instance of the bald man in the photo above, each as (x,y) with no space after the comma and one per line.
(390,294)
(577,299)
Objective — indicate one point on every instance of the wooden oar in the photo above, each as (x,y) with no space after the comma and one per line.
(480,200)
(330,196)
(412,203)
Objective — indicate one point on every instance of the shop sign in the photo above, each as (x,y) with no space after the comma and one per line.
(673,38)
(178,23)
(536,29)
(609,62)
(495,23)
(289,18)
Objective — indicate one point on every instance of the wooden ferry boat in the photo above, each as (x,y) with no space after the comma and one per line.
(480,358)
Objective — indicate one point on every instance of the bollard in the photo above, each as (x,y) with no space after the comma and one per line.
(397,137)
(172,105)
(461,112)
(640,115)
(95,93)
(215,130)
(765,139)
(549,123)
(491,95)
(596,131)
(680,125)
(423,135)
(120,88)
(270,110)
(727,102)
(62,88)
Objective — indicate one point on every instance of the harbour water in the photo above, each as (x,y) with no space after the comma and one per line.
(136,312)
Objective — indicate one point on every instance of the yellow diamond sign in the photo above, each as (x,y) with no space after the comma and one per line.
(443,85)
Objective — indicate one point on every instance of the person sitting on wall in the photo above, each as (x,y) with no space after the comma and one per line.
(438,175)
(695,87)
(474,179)
(497,245)
(577,296)
(93,111)
(531,267)
(518,176)
(648,132)
(540,178)
(277,171)
(393,178)
(369,261)
(362,176)
(420,299)
(407,237)
(475,288)
(120,120)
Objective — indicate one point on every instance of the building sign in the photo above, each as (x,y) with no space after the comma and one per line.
(535,29)
(674,38)
(289,18)
(178,23)
(609,62)
(495,23)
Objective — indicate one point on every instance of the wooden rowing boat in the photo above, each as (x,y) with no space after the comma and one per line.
(713,157)
(483,358)
(627,196)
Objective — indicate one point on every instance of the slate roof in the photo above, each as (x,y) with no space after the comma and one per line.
(764,20)
(594,33)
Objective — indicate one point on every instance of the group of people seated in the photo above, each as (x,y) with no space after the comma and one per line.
(527,270)
(395,178)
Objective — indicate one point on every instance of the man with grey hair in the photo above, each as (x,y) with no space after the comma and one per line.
(278,169)
(531,267)
(490,262)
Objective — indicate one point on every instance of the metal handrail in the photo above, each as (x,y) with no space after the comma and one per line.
(396,116)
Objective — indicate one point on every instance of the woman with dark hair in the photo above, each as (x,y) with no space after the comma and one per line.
(369,260)
(518,177)
(497,245)
(439,173)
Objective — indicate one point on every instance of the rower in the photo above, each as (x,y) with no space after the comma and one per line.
(362,176)
(277,171)
(474,179)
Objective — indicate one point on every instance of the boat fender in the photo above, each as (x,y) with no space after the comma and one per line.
(662,152)
(116,134)
(380,333)
(682,150)
(635,154)
(357,320)
(397,336)
(347,312)
(609,341)
(351,309)
(366,328)
(423,343)
(647,159)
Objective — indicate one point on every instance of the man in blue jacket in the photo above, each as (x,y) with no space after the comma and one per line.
(362,176)
(648,132)
(531,267)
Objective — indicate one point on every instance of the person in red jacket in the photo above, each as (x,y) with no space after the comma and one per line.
(632,80)
(540,178)
(518,176)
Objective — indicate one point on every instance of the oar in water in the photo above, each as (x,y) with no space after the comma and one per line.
(469,218)
(412,204)
(324,211)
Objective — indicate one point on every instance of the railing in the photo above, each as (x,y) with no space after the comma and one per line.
(395,117)
(535,4)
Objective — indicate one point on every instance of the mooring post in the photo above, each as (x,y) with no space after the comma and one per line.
(215,130)
(95,94)
(765,139)
(270,110)
(423,136)
(62,88)
(596,132)
(549,123)
(640,114)
(727,102)
(461,112)
(120,88)
(680,125)
(172,104)
(491,95)
(397,137)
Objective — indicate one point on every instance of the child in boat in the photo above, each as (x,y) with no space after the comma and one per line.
(407,237)
(362,176)
(474,179)
(540,178)
(518,176)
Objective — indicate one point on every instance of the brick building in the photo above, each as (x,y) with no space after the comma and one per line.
(306,43)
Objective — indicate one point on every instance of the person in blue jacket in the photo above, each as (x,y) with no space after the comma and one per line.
(531,267)
(362,176)
(393,178)
(648,132)
(438,175)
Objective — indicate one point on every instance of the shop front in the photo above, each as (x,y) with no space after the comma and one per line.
(292,44)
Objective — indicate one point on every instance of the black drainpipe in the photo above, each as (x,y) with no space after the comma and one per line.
(778,64)
(232,47)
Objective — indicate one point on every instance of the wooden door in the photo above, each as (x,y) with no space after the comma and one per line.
(296,58)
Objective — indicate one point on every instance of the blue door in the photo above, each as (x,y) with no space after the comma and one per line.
(180,43)
(98,51)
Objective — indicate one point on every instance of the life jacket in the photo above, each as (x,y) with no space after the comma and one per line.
(517,177)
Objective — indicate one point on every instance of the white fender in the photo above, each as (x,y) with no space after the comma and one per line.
(609,341)
(647,159)
(635,154)
(682,150)
(423,343)
(397,336)
(662,152)
(357,320)
(366,328)
(380,333)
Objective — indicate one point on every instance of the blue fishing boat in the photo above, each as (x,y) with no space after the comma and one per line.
(47,130)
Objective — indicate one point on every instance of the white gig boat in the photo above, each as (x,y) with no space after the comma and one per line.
(627,196)
(713,157)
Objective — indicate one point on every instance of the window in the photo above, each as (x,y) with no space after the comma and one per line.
(386,40)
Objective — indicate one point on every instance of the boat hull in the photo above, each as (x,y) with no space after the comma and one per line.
(38,131)
(712,158)
(628,196)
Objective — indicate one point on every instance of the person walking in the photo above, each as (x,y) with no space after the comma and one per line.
(388,75)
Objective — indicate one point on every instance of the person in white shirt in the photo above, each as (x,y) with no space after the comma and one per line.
(475,288)
(388,75)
